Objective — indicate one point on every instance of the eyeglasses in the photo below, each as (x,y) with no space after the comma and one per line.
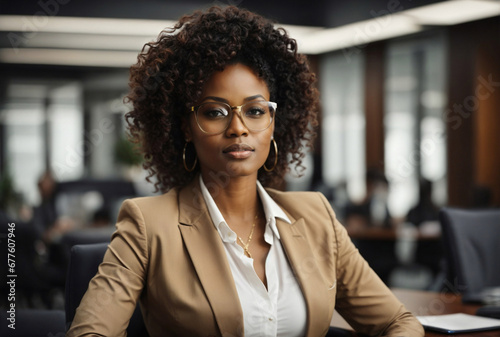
(214,117)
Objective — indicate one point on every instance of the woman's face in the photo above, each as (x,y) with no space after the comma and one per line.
(237,151)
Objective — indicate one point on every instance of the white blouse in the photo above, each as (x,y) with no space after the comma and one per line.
(279,310)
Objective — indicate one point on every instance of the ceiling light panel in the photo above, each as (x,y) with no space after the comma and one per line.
(358,34)
(86,41)
(453,12)
(79,25)
(67,57)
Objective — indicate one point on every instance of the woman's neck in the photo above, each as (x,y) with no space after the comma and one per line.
(236,197)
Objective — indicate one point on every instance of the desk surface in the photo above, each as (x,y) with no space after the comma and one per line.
(422,303)
(359,228)
(390,234)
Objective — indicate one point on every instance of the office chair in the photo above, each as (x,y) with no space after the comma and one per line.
(84,262)
(32,323)
(471,241)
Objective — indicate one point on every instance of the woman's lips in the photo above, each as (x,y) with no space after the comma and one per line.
(238,151)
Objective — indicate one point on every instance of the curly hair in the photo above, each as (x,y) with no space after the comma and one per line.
(169,75)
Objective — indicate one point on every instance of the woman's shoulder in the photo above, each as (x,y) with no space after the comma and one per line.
(149,205)
(301,201)
(294,196)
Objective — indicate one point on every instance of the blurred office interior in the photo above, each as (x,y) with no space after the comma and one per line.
(409,122)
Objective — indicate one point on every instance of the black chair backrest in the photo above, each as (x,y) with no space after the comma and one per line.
(84,262)
(472,248)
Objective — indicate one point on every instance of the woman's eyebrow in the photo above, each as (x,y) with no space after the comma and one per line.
(251,98)
(215,98)
(223,100)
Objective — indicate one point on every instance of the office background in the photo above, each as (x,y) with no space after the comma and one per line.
(409,93)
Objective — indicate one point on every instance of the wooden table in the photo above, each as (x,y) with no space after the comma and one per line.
(422,303)
(390,234)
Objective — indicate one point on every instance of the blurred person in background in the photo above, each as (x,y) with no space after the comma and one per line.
(373,213)
(425,216)
(48,222)
(50,227)
(425,210)
(222,105)
(372,210)
(482,197)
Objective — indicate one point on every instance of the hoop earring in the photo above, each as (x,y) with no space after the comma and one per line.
(184,160)
(275,159)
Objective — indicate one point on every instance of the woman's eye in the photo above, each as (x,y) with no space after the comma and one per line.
(215,113)
(255,112)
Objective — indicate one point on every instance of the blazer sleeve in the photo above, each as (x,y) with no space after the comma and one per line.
(112,295)
(364,301)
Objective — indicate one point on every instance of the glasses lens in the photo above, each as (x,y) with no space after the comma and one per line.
(257,115)
(213,117)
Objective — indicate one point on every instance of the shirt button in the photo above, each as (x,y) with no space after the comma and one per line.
(270,319)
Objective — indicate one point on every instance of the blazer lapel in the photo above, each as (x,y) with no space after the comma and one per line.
(305,268)
(208,255)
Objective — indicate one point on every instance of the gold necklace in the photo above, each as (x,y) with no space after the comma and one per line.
(246,245)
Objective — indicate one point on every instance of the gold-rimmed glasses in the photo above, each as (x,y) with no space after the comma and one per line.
(214,117)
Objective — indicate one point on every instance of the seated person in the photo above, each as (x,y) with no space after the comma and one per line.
(228,103)
(372,210)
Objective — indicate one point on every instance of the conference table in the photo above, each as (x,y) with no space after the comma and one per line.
(360,230)
(424,303)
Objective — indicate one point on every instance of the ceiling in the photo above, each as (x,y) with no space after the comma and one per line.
(48,37)
(324,13)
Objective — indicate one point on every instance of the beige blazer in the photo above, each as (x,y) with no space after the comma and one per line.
(167,254)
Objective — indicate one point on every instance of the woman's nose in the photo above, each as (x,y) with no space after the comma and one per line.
(236,127)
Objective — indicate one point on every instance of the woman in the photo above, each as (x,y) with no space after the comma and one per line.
(221,105)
